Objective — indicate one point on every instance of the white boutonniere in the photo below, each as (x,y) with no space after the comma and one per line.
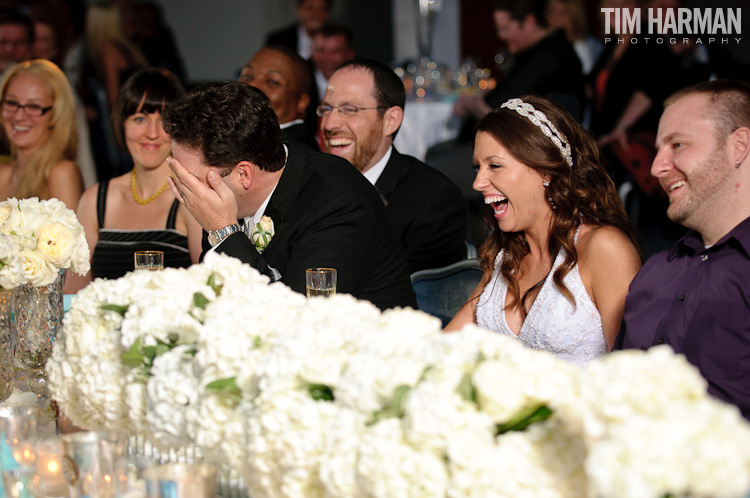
(262,233)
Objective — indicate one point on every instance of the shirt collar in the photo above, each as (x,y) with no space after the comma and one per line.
(283,126)
(692,241)
(374,173)
(251,221)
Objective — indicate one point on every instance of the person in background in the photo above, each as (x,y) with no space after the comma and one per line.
(312,15)
(47,46)
(562,253)
(135,211)
(16,37)
(544,62)
(154,38)
(313,209)
(570,16)
(361,113)
(332,45)
(38,117)
(284,77)
(112,56)
(694,297)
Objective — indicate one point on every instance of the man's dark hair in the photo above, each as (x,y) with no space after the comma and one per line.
(303,73)
(228,123)
(10,16)
(519,9)
(389,89)
(329,3)
(330,30)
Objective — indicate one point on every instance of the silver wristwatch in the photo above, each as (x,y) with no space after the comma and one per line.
(217,236)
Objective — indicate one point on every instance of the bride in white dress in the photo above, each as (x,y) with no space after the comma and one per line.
(561,253)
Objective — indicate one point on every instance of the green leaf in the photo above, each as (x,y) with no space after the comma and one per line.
(396,406)
(149,352)
(213,284)
(320,392)
(257,342)
(200,301)
(466,389)
(116,308)
(524,418)
(226,386)
(222,384)
(134,356)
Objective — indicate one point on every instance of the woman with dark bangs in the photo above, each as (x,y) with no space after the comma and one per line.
(561,253)
(136,211)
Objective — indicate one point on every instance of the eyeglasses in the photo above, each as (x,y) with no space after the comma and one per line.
(346,109)
(33,110)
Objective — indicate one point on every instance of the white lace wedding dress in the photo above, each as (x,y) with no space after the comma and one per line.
(572,333)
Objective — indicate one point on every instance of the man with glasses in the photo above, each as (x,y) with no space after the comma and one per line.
(361,113)
(296,208)
(16,36)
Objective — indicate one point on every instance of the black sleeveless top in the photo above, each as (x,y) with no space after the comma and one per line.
(113,254)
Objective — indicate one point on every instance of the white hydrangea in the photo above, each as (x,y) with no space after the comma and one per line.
(388,467)
(171,392)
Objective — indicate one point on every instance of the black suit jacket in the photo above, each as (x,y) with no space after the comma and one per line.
(299,133)
(326,214)
(286,36)
(427,211)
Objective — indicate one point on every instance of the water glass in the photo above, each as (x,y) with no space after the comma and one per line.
(88,464)
(48,480)
(321,281)
(182,480)
(19,433)
(149,260)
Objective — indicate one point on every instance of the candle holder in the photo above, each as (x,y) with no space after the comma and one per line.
(182,480)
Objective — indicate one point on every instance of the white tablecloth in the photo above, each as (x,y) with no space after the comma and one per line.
(426,124)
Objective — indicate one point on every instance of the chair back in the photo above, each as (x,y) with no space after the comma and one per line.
(442,291)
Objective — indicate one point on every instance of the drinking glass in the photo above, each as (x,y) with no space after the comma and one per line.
(19,431)
(88,464)
(48,480)
(321,281)
(182,480)
(149,260)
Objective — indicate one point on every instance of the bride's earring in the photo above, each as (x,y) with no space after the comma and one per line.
(545,184)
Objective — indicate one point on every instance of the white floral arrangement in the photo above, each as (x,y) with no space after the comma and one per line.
(329,397)
(37,239)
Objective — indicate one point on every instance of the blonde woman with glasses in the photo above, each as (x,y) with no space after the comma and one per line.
(38,118)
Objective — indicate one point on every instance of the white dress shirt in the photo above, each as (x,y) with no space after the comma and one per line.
(374,173)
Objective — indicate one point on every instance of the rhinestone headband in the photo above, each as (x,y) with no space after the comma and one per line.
(540,119)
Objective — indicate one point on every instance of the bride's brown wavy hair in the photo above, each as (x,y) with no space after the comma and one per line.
(583,193)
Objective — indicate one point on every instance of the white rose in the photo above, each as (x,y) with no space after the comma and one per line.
(10,216)
(56,242)
(32,214)
(11,275)
(37,270)
(7,249)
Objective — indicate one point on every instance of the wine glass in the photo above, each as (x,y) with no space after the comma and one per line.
(19,431)
(321,281)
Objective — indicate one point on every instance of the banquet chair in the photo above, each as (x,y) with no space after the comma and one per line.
(442,291)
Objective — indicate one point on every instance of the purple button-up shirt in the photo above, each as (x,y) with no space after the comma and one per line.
(697,300)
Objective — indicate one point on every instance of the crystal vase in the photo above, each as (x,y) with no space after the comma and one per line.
(38,313)
(6,344)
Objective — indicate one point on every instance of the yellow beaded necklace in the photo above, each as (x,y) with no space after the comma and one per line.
(135,194)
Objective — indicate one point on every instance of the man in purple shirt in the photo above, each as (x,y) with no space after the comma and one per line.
(696,296)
